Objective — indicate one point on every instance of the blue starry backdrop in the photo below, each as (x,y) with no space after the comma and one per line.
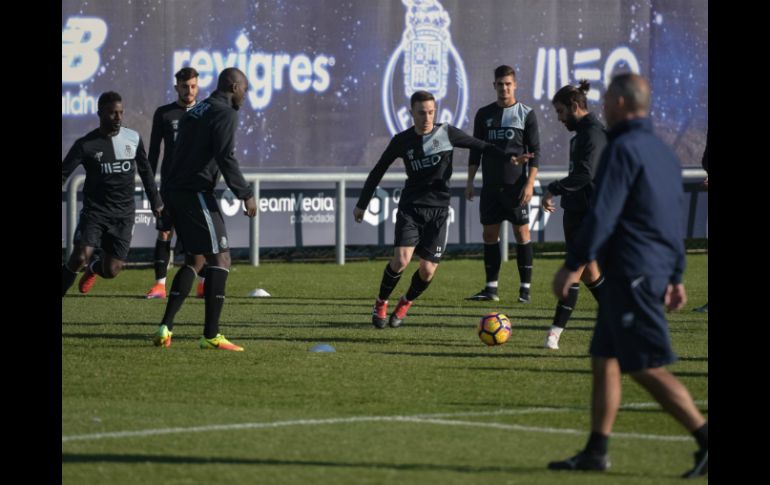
(329,81)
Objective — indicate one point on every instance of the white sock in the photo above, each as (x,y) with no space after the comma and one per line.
(491,284)
(161,280)
(556,330)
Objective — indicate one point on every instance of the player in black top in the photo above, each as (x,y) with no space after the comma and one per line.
(422,219)
(576,189)
(205,146)
(506,188)
(111,156)
(165,124)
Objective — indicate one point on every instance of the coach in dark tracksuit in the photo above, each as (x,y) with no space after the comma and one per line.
(635,229)
(205,147)
(576,189)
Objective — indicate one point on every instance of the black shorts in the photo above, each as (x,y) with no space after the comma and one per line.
(111,234)
(165,224)
(502,203)
(571,222)
(199,224)
(631,325)
(424,228)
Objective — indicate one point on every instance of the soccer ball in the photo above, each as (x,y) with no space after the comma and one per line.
(494,329)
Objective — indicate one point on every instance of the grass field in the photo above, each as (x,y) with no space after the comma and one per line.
(425,403)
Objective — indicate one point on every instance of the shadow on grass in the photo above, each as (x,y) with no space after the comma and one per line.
(474,355)
(73,458)
(125,296)
(145,337)
(205,460)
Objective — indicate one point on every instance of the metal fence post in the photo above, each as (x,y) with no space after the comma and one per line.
(254,228)
(504,239)
(72,210)
(339,221)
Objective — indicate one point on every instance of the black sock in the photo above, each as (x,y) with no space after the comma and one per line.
(702,436)
(564,307)
(214,298)
(98,268)
(524,261)
(597,287)
(162,254)
(389,281)
(202,272)
(417,286)
(180,288)
(597,444)
(67,278)
(492,261)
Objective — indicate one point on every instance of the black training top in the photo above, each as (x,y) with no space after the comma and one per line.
(111,163)
(514,130)
(165,124)
(205,145)
(428,162)
(585,148)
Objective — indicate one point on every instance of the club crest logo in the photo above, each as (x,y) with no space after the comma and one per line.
(428,61)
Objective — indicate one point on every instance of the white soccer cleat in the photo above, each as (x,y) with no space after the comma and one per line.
(552,341)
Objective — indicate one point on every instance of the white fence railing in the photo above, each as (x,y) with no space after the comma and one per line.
(341,180)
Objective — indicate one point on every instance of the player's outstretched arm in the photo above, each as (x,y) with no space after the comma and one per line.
(388,157)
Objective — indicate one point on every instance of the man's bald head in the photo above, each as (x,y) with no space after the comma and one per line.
(228,77)
(234,83)
(628,96)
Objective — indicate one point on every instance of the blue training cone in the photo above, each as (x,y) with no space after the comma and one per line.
(322,348)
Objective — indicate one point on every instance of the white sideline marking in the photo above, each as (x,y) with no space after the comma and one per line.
(417,418)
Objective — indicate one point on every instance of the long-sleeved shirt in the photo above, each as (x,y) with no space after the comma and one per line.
(165,125)
(111,163)
(205,146)
(585,148)
(635,225)
(428,162)
(515,131)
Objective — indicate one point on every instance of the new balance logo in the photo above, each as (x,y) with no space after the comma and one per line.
(81,39)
